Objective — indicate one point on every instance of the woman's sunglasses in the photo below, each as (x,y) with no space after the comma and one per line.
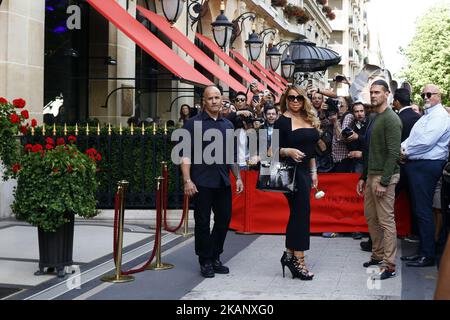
(293,98)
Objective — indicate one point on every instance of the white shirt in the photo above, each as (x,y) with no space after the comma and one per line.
(429,136)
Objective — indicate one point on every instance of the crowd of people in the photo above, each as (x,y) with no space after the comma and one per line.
(394,147)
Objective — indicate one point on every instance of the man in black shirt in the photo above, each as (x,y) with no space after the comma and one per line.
(209,184)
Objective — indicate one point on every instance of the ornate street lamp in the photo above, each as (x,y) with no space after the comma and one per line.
(254,45)
(222,28)
(172,9)
(287,67)
(274,57)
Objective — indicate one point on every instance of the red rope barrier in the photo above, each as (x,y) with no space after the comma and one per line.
(165,201)
(116,231)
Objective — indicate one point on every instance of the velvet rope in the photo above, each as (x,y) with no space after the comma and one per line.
(165,201)
(116,231)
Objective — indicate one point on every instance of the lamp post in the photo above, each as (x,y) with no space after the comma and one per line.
(287,67)
(274,57)
(222,28)
(254,45)
(172,9)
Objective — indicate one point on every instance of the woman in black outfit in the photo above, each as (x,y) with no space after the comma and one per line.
(299,132)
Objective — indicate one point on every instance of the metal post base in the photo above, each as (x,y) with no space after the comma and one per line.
(161,266)
(118,279)
(185,234)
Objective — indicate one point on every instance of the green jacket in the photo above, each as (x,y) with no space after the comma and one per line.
(384,149)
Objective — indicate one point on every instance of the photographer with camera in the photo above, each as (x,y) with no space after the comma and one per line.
(340,120)
(355,137)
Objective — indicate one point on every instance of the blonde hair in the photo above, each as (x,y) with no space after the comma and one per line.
(307,112)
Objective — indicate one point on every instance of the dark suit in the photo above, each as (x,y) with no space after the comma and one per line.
(408,117)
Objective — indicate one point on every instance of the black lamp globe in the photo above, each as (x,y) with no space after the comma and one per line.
(274,57)
(222,28)
(287,67)
(172,9)
(254,45)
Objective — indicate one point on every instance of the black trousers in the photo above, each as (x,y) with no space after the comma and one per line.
(297,230)
(209,245)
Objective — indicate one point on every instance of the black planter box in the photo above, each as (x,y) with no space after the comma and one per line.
(56,248)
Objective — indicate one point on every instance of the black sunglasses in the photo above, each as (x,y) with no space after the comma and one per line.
(240,99)
(427,94)
(293,98)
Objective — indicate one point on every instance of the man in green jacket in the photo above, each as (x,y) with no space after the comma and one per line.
(381,174)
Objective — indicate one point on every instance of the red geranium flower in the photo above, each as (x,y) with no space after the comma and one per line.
(14,118)
(69,168)
(49,140)
(60,142)
(49,146)
(16,167)
(25,114)
(37,147)
(23,129)
(72,139)
(19,103)
(3,100)
(33,123)
(28,147)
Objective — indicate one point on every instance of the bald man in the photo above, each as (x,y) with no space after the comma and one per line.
(426,152)
(209,183)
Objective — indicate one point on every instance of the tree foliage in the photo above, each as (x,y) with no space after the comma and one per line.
(428,53)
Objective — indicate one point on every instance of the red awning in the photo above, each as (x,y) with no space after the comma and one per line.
(280,78)
(118,16)
(191,49)
(269,75)
(253,69)
(228,60)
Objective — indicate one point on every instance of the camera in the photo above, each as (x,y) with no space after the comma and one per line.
(347,132)
(339,78)
(332,107)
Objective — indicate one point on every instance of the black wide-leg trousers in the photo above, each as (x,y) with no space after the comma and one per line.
(298,227)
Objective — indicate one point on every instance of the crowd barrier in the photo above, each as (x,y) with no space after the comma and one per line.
(341,210)
(121,276)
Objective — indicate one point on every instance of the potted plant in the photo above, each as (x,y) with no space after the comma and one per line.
(292,11)
(12,122)
(304,19)
(279,3)
(55,182)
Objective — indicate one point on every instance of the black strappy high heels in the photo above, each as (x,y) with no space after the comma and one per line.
(297,267)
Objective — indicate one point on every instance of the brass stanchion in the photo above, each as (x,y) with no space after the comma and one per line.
(119,277)
(186,232)
(158,265)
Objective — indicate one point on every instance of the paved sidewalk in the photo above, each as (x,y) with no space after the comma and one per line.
(253,260)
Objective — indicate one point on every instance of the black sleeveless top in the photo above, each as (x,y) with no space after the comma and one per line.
(303,139)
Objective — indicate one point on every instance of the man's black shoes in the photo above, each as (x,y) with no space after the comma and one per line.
(372,262)
(414,257)
(207,270)
(219,267)
(421,262)
(366,245)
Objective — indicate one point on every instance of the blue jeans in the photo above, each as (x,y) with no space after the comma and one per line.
(423,176)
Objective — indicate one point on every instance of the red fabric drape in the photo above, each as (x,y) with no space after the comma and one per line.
(341,210)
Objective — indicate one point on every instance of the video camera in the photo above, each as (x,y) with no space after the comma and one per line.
(332,107)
